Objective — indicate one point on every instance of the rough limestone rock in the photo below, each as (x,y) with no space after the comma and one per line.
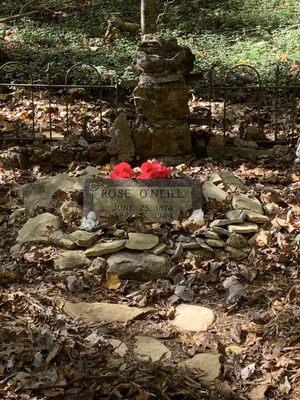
(244,202)
(236,215)
(59,238)
(83,238)
(38,229)
(39,193)
(237,241)
(71,260)
(208,363)
(215,243)
(141,241)
(140,267)
(121,146)
(147,348)
(231,181)
(211,192)
(244,228)
(226,221)
(221,231)
(102,248)
(255,217)
(159,249)
(193,318)
(211,235)
(120,348)
(104,312)
(98,265)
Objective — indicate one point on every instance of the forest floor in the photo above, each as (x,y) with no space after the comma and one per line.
(251,348)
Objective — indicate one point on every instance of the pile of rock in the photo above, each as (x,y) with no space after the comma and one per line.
(234,231)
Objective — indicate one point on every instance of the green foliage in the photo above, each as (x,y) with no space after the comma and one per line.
(257,32)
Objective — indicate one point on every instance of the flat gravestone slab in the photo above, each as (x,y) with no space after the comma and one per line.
(159,200)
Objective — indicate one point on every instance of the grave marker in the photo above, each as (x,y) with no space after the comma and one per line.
(157,200)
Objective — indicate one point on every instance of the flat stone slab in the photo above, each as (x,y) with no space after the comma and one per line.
(208,363)
(140,267)
(100,249)
(243,202)
(141,241)
(120,348)
(84,238)
(38,229)
(59,238)
(255,217)
(244,228)
(193,318)
(104,312)
(147,348)
(211,192)
(157,200)
(159,249)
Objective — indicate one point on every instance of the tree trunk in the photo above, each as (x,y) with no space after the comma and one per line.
(148,17)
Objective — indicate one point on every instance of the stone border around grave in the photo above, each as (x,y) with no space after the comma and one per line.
(93,185)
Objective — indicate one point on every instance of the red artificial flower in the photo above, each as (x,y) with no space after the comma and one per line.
(121,171)
(154,170)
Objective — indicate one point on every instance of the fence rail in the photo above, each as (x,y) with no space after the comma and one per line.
(241,84)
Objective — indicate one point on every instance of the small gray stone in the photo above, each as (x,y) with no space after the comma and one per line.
(208,363)
(244,202)
(71,260)
(221,231)
(60,239)
(83,238)
(147,348)
(255,217)
(120,348)
(211,235)
(226,221)
(185,293)
(237,241)
(102,248)
(159,249)
(244,228)
(232,181)
(215,243)
(212,192)
(136,266)
(38,229)
(141,241)
(98,265)
(236,214)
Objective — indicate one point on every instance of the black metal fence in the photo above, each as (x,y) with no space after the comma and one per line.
(99,88)
(273,108)
(242,84)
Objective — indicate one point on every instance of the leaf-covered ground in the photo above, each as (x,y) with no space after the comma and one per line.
(45,354)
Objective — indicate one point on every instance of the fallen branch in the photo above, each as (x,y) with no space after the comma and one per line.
(116,24)
(32,12)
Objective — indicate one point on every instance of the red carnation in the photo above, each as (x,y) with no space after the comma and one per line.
(154,170)
(122,171)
